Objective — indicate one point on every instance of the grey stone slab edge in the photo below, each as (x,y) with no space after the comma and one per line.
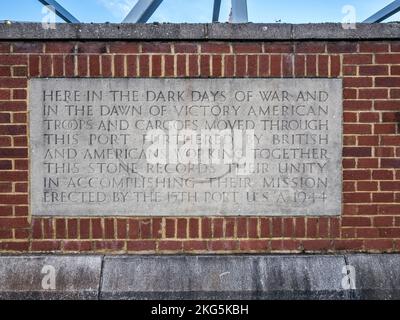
(185,31)
(201,277)
(76,277)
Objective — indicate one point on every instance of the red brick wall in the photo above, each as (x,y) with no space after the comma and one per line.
(370,219)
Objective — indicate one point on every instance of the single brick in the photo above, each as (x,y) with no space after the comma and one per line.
(247,48)
(215,47)
(124,47)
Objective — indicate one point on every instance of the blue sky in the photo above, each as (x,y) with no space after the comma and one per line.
(289,11)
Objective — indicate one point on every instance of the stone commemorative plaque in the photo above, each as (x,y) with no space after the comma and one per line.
(189,147)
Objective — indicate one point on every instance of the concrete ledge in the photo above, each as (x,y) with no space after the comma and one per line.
(377,276)
(76,277)
(215,31)
(223,277)
(201,277)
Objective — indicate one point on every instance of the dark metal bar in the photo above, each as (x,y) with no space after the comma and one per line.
(60,11)
(216,10)
(142,11)
(385,13)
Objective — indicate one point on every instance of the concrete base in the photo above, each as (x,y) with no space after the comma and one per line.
(377,276)
(199,31)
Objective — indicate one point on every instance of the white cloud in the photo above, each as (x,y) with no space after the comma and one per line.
(118,8)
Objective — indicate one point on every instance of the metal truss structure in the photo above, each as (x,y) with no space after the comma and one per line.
(60,11)
(144,9)
(385,13)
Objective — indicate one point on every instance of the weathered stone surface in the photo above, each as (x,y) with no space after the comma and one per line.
(184,31)
(186,146)
(336,31)
(200,277)
(223,277)
(76,277)
(377,276)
